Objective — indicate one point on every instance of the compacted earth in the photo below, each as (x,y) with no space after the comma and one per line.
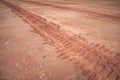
(59,40)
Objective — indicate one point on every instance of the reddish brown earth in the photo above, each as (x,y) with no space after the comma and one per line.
(57,53)
(92,13)
(95,28)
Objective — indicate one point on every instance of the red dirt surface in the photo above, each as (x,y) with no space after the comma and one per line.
(100,30)
(113,17)
(92,61)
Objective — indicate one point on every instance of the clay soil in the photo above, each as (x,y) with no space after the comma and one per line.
(59,40)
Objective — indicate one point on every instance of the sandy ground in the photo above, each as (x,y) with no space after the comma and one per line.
(81,43)
(23,54)
(95,28)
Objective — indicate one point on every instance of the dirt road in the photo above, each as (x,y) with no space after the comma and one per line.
(95,28)
(91,60)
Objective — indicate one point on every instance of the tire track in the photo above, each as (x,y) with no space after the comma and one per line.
(95,62)
(91,13)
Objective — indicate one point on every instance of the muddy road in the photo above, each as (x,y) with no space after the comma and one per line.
(87,60)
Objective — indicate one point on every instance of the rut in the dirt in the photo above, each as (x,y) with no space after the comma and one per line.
(91,13)
(95,62)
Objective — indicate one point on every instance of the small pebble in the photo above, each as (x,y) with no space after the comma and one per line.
(17,64)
